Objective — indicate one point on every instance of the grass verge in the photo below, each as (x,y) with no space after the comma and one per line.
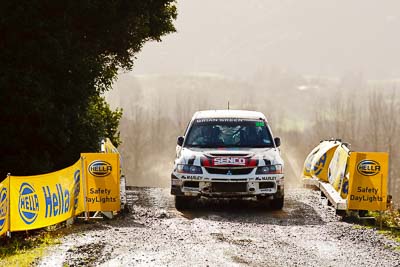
(390,220)
(26,248)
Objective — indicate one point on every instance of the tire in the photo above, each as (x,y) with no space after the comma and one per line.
(277,203)
(263,202)
(184,203)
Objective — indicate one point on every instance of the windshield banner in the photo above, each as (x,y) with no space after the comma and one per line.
(43,200)
(368,181)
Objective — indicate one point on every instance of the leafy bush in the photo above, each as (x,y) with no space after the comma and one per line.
(57,58)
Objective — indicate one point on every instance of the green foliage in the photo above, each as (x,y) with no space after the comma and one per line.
(57,57)
(24,248)
(101,121)
(390,218)
(390,221)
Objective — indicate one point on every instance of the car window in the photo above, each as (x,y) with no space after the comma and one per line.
(228,133)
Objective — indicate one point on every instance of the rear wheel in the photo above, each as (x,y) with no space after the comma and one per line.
(277,203)
(184,203)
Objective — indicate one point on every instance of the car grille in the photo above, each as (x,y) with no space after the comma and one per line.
(264,185)
(239,171)
(229,187)
(191,184)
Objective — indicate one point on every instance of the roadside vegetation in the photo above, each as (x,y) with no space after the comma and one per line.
(25,248)
(57,60)
(391,223)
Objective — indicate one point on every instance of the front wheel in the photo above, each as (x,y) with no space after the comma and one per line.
(277,203)
(184,203)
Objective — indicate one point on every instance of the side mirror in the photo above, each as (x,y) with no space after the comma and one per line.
(180,140)
(277,141)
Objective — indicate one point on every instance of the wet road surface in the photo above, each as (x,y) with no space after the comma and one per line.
(224,233)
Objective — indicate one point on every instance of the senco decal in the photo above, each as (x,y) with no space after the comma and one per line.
(3,207)
(28,204)
(368,167)
(100,168)
(229,161)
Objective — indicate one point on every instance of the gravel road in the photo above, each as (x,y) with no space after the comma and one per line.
(224,233)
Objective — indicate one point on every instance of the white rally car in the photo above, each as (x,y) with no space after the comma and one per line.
(228,154)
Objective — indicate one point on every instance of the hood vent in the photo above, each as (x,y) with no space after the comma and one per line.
(229,154)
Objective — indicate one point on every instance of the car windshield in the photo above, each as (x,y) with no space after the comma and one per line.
(208,133)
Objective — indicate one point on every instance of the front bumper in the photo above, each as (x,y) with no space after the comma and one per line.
(225,186)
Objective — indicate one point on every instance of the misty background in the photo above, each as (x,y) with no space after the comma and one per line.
(316,69)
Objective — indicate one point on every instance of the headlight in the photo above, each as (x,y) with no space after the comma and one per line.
(184,168)
(270,169)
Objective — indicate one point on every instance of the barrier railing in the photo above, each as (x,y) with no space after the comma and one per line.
(350,180)
(32,202)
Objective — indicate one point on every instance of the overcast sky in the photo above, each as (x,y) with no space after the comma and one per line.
(312,37)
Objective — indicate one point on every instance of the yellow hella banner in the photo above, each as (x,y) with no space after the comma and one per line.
(337,167)
(4,206)
(368,181)
(102,176)
(109,147)
(322,158)
(307,162)
(42,200)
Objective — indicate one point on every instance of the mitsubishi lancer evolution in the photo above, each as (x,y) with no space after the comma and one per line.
(228,154)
